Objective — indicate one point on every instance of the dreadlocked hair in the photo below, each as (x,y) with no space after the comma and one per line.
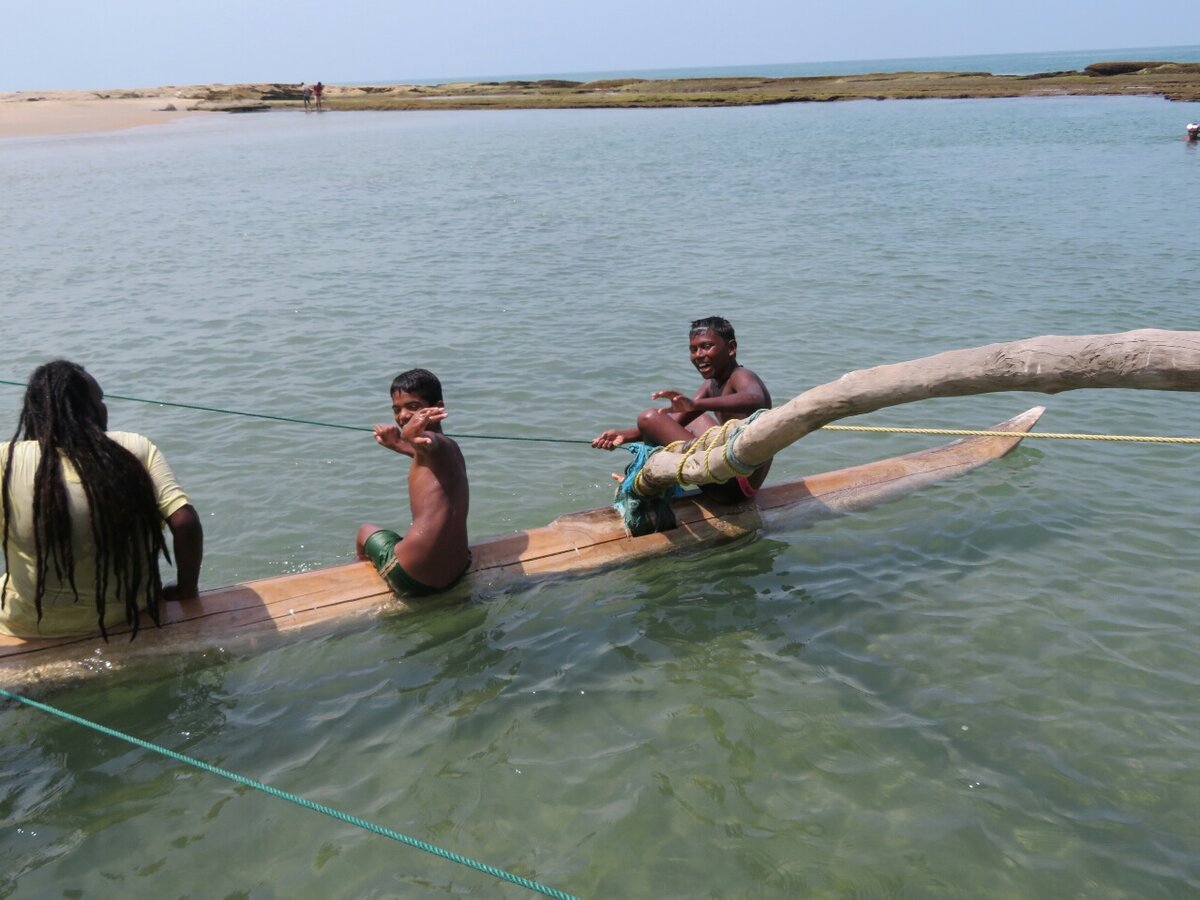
(60,412)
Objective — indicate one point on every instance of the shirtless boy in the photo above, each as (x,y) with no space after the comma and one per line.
(433,553)
(729,391)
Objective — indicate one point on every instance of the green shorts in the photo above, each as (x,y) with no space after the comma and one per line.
(380,549)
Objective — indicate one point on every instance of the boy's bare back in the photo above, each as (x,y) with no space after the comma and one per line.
(434,549)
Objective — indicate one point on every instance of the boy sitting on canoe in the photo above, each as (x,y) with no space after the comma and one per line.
(433,553)
(729,391)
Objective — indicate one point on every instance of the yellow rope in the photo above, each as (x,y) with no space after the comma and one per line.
(1149,439)
(717,436)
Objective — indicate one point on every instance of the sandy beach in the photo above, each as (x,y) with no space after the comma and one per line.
(32,113)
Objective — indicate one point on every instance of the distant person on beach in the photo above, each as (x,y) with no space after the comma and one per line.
(729,391)
(432,555)
(306,92)
(82,516)
(318,89)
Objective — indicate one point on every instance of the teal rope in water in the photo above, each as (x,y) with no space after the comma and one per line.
(255,415)
(300,801)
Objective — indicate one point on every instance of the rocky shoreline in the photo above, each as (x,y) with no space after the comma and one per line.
(1173,81)
(88,110)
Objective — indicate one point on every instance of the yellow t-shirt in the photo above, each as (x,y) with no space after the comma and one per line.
(62,614)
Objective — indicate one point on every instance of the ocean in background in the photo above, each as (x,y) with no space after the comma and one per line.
(984,689)
(995,63)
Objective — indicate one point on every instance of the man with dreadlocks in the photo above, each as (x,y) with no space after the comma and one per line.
(82,516)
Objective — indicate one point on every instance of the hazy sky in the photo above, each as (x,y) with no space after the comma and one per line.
(140,43)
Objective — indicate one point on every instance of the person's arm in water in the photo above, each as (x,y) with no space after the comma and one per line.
(187,536)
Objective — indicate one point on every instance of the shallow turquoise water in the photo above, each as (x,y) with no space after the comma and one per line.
(985,689)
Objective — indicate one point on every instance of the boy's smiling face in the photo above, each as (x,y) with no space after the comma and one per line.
(404,404)
(711,354)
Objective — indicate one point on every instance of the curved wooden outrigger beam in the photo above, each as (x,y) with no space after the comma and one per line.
(1148,359)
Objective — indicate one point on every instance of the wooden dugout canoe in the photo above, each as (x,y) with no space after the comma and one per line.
(246,613)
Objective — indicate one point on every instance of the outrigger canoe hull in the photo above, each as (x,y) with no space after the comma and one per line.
(577,542)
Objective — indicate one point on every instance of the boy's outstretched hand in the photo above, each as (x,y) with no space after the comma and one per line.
(414,429)
(406,439)
(680,402)
(389,436)
(609,439)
